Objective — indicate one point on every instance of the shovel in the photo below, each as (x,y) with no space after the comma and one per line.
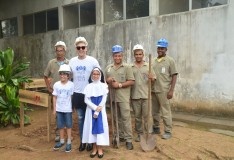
(115,133)
(147,141)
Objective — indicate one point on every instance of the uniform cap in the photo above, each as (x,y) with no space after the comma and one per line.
(60,43)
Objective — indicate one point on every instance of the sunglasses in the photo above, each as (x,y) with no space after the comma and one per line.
(80,47)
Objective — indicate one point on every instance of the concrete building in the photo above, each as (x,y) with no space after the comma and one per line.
(200,34)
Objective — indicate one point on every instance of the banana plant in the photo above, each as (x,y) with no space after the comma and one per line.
(10,83)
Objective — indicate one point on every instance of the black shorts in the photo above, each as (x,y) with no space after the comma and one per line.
(78,101)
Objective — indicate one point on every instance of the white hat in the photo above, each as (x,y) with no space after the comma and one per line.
(81,39)
(138,46)
(64,68)
(60,43)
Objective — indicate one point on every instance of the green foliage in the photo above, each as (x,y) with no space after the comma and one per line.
(10,81)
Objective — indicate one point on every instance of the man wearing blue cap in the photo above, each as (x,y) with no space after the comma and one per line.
(120,77)
(163,89)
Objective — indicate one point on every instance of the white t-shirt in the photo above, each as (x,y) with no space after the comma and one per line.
(63,92)
(81,70)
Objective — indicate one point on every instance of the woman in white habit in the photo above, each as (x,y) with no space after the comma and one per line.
(96,128)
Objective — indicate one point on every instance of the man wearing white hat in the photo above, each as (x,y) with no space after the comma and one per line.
(139,91)
(82,66)
(52,68)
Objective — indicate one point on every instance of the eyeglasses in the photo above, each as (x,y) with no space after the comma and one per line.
(80,47)
(94,74)
(63,73)
(59,50)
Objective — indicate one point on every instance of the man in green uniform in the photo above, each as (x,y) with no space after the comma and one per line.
(139,91)
(166,73)
(51,71)
(119,75)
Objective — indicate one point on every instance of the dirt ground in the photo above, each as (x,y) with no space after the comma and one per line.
(188,143)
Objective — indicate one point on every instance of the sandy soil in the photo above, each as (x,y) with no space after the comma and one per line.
(187,143)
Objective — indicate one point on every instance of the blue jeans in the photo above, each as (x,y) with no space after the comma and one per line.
(81,118)
(64,119)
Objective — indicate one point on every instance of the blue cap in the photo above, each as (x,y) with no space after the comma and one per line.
(117,49)
(162,43)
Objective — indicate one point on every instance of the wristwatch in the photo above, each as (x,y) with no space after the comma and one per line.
(120,85)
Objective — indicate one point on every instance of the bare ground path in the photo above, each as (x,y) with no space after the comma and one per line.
(188,143)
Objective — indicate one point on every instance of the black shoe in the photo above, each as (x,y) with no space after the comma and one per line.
(129,145)
(82,147)
(122,140)
(100,155)
(156,130)
(93,155)
(89,147)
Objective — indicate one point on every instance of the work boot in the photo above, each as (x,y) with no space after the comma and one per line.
(122,140)
(138,138)
(129,145)
(166,135)
(89,147)
(82,147)
(156,130)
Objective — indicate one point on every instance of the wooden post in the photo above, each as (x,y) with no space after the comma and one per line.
(22,117)
(49,119)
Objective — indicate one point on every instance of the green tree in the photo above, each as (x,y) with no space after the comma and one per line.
(10,83)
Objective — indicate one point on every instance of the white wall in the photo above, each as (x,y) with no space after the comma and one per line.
(201,41)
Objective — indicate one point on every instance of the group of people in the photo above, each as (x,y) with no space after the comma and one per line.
(82,85)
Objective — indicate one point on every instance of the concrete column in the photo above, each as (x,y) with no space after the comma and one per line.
(99,12)
(190,5)
(20,25)
(60,16)
(153,7)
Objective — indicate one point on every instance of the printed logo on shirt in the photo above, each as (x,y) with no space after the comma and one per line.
(81,73)
(63,92)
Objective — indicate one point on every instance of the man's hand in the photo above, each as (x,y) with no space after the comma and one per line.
(170,94)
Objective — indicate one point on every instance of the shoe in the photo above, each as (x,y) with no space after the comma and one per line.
(138,138)
(129,145)
(58,146)
(68,148)
(82,147)
(122,140)
(156,130)
(89,147)
(57,138)
(93,155)
(100,155)
(166,135)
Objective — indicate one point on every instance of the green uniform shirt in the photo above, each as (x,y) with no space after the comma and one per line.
(140,88)
(52,70)
(121,75)
(164,71)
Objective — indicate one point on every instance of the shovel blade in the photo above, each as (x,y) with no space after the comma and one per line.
(148,142)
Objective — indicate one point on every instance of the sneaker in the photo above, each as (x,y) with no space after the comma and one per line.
(58,146)
(138,138)
(166,135)
(156,130)
(57,138)
(68,148)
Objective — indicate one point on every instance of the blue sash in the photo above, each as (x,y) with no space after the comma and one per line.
(97,124)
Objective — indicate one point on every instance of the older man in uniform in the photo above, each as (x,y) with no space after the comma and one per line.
(119,75)
(166,73)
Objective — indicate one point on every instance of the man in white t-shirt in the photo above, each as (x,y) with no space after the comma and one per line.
(81,66)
